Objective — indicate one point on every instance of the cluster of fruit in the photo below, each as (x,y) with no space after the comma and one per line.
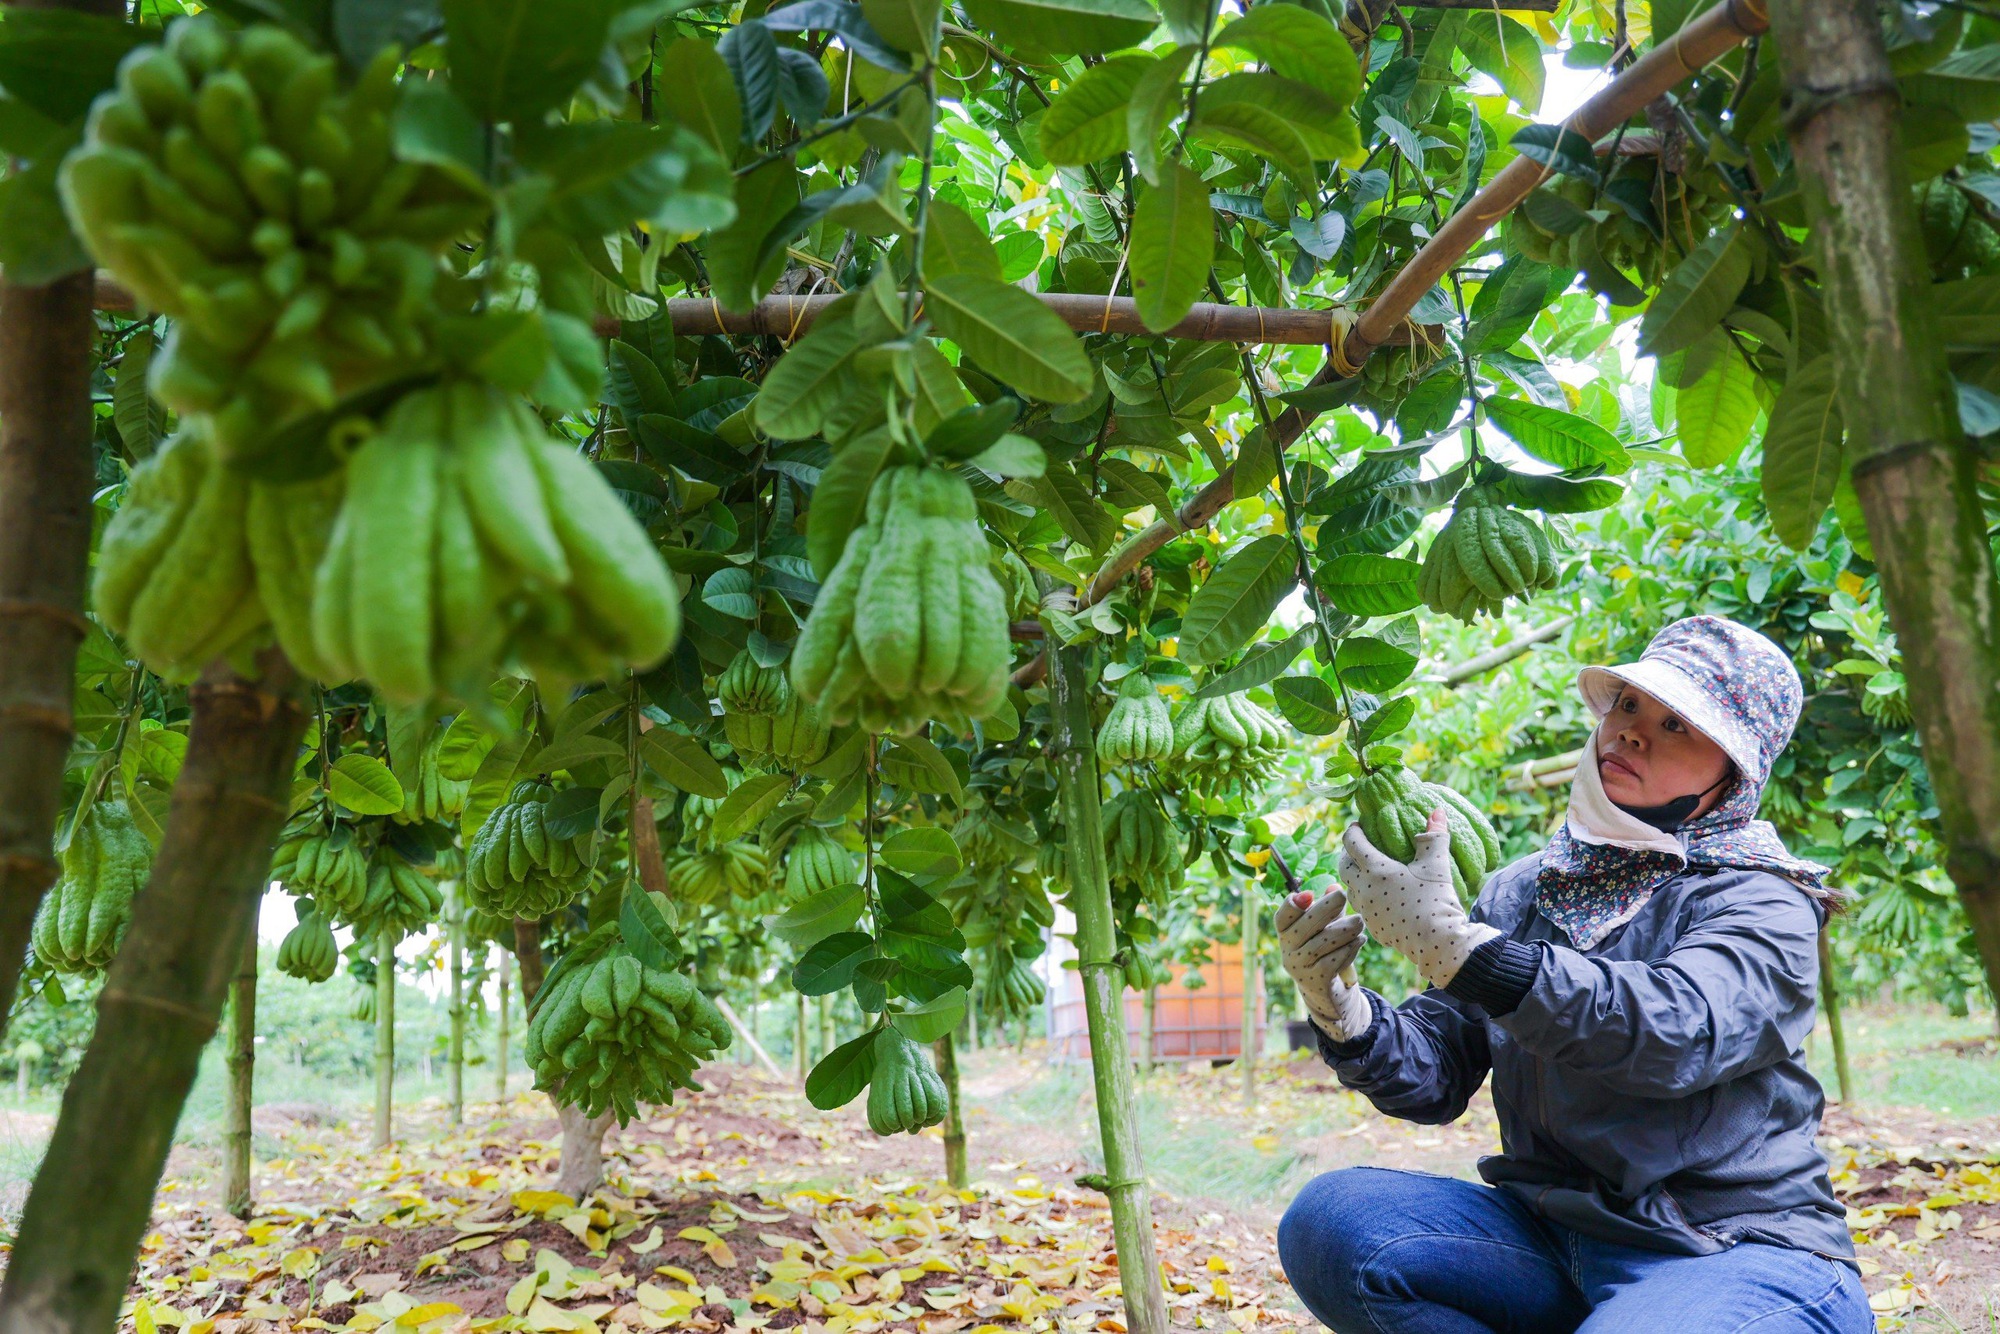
(469,537)
(905,1093)
(1139,726)
(792,737)
(83,918)
(401,898)
(608,1032)
(328,865)
(517,868)
(1227,744)
(1485,554)
(232,184)
(430,797)
(308,951)
(1395,806)
(910,625)
(816,861)
(1142,847)
(1011,987)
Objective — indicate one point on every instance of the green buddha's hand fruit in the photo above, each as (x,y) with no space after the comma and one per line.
(1485,554)
(308,951)
(905,1094)
(1139,726)
(82,919)
(1395,806)
(1227,744)
(517,868)
(815,862)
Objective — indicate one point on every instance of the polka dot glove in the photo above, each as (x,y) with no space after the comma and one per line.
(1412,909)
(1317,943)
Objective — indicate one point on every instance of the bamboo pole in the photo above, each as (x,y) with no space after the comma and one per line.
(455,1064)
(89,1205)
(749,1038)
(500,1032)
(1917,483)
(800,1056)
(954,1116)
(1829,1000)
(242,1066)
(385,1037)
(1103,995)
(1148,1013)
(1253,982)
(1712,34)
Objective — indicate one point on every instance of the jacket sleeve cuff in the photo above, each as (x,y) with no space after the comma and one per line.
(1497,975)
(1333,1052)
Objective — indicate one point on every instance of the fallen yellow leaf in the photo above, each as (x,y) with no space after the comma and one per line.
(654,1240)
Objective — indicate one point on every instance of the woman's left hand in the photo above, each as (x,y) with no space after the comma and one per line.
(1412,909)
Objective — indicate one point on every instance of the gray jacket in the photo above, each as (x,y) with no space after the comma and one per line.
(1651,1091)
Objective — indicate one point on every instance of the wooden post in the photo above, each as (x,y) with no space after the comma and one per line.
(1253,982)
(1103,994)
(242,1065)
(500,1033)
(455,1063)
(385,1037)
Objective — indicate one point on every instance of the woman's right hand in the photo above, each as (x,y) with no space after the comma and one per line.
(1317,942)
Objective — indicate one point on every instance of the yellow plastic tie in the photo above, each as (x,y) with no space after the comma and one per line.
(1340,323)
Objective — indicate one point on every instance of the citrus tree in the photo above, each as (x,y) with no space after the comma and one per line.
(816,482)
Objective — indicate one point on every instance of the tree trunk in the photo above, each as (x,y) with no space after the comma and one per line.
(800,1056)
(1103,1000)
(1911,472)
(582,1168)
(1829,1000)
(455,1064)
(46,480)
(90,1201)
(500,1035)
(385,1038)
(646,846)
(528,953)
(954,1115)
(242,1081)
(1253,982)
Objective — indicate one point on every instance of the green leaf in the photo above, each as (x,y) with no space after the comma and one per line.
(1237,599)
(972,429)
(841,497)
(955,243)
(1558,495)
(1371,664)
(646,932)
(1557,437)
(512,60)
(1966,81)
(1308,703)
(1066,27)
(813,378)
(684,762)
(933,1019)
(1156,98)
(739,271)
(1362,583)
(1266,662)
(1719,410)
(1564,151)
(1013,456)
(842,1073)
(1011,335)
(1506,305)
(1386,721)
(635,383)
(1256,464)
(746,806)
(1087,121)
(830,963)
(812,919)
(1300,44)
(1508,51)
(36,243)
(1967,312)
(930,771)
(57,60)
(364,785)
(1172,247)
(1243,120)
(138,418)
(1697,294)
(697,90)
(568,752)
(908,25)
(1802,449)
(925,851)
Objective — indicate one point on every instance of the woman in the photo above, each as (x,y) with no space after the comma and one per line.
(1640,991)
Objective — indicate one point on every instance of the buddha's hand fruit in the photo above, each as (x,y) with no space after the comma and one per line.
(815,862)
(1141,845)
(308,951)
(516,867)
(82,919)
(910,626)
(1139,726)
(1485,554)
(904,1094)
(1227,744)
(1395,806)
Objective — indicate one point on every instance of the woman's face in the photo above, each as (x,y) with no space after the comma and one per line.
(1647,754)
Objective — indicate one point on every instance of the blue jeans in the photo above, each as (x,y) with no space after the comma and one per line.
(1372,1251)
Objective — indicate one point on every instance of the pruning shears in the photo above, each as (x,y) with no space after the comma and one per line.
(1292,886)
